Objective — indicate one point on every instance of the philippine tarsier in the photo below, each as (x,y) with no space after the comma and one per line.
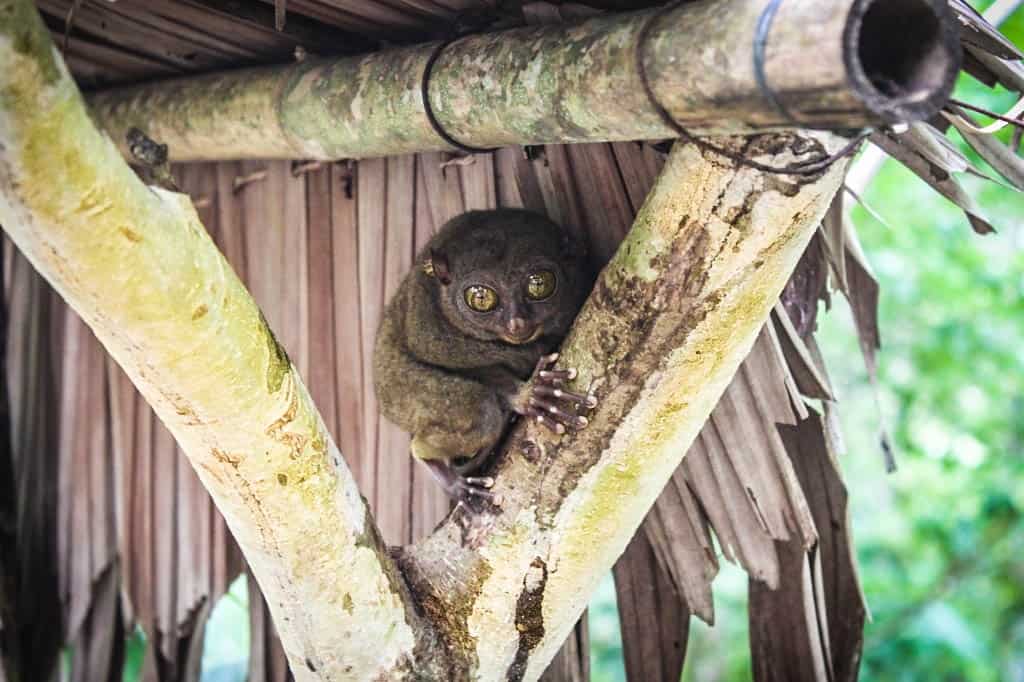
(489,297)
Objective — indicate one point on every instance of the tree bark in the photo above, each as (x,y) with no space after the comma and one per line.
(565,83)
(491,595)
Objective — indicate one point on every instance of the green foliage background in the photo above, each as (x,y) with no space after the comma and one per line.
(940,542)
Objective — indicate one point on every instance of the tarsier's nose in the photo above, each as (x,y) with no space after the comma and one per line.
(516,326)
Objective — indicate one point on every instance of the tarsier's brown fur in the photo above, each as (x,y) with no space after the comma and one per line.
(452,376)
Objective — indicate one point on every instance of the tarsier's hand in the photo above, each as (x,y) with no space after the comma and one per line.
(544,400)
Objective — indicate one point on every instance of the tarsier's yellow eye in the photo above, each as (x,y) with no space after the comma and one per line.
(480,298)
(540,285)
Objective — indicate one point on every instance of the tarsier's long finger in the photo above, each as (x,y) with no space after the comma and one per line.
(544,362)
(478,492)
(562,394)
(541,418)
(481,481)
(558,414)
(556,376)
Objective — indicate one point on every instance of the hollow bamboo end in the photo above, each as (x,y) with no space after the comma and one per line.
(902,56)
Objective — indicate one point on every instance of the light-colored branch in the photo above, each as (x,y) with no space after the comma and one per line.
(560,83)
(140,269)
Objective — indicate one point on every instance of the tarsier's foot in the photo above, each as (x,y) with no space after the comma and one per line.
(549,404)
(465,489)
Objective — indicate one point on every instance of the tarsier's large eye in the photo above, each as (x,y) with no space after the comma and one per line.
(480,298)
(540,285)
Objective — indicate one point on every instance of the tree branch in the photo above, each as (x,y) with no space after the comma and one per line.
(140,269)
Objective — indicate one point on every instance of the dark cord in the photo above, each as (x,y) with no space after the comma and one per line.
(990,114)
(764,25)
(429,111)
(805,167)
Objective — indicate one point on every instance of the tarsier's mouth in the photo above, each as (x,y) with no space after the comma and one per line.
(522,339)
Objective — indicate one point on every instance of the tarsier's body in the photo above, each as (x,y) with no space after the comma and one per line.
(489,296)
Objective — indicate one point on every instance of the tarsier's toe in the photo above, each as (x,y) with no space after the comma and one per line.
(543,419)
(470,489)
(557,393)
(554,417)
(481,481)
(556,377)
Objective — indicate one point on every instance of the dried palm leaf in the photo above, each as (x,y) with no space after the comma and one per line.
(1009,74)
(651,611)
(909,153)
(998,155)
(976,31)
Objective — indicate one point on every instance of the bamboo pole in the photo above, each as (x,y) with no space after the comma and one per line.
(870,161)
(835,64)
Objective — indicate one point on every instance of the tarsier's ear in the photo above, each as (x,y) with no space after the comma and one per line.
(436,265)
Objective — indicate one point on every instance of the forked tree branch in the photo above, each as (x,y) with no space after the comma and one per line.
(491,595)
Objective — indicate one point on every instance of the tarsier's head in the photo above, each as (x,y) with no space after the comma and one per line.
(509,274)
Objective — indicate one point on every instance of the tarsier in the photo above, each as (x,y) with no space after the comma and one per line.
(489,297)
